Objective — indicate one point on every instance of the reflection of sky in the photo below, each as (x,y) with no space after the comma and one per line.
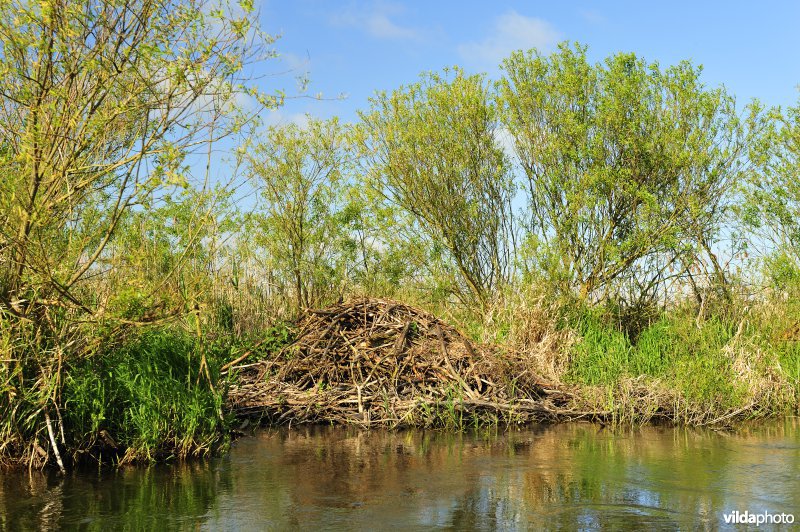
(775,464)
(565,476)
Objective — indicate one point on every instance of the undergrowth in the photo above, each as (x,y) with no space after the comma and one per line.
(684,369)
(155,397)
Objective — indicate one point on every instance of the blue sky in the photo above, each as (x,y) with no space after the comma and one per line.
(358,47)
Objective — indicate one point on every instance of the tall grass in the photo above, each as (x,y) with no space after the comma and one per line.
(150,398)
(725,361)
(155,393)
(686,369)
(125,393)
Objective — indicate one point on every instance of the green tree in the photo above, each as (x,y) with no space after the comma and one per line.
(771,206)
(629,168)
(300,224)
(431,149)
(101,103)
(385,258)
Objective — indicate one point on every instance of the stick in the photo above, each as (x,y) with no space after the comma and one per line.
(729,415)
(53,442)
(247,353)
(450,367)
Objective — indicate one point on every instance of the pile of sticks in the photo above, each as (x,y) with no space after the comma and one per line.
(381,362)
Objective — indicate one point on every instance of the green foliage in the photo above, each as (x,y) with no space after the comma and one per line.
(387,254)
(98,118)
(606,354)
(624,163)
(782,271)
(278,336)
(789,359)
(150,396)
(267,343)
(432,150)
(301,225)
(110,250)
(101,229)
(703,370)
(771,200)
(602,356)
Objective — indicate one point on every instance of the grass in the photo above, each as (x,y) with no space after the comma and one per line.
(158,393)
(149,399)
(684,369)
(732,363)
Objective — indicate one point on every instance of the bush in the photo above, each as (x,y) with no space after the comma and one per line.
(155,397)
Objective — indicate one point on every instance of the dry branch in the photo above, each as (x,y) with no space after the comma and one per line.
(381,362)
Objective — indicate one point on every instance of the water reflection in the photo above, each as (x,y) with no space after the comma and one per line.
(565,476)
(125,499)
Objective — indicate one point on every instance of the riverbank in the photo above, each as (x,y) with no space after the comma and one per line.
(626,251)
(375,362)
(163,394)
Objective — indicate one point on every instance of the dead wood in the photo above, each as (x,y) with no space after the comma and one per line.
(381,362)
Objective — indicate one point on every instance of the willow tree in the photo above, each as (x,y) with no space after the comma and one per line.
(628,167)
(299,222)
(100,103)
(433,151)
(771,205)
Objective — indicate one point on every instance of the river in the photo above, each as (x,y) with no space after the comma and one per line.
(570,476)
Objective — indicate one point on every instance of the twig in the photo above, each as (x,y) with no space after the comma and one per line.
(728,415)
(247,353)
(450,368)
(53,442)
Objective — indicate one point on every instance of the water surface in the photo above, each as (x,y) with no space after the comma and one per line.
(576,476)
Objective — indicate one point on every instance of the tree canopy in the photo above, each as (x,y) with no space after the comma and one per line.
(623,162)
(434,151)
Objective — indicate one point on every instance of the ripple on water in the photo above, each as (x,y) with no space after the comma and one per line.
(561,476)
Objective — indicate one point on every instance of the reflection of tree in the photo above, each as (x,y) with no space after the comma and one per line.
(682,475)
(163,497)
(596,477)
(564,476)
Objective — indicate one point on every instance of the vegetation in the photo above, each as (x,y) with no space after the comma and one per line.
(146,399)
(431,150)
(299,227)
(627,169)
(101,230)
(617,226)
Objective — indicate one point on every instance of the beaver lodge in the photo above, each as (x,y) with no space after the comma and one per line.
(377,362)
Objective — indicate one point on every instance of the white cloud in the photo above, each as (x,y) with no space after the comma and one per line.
(277,117)
(510,31)
(379,25)
(376,20)
(296,63)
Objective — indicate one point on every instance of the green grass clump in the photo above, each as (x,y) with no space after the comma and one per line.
(693,370)
(155,397)
(603,354)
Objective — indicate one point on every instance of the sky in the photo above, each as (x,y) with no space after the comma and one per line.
(354,48)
